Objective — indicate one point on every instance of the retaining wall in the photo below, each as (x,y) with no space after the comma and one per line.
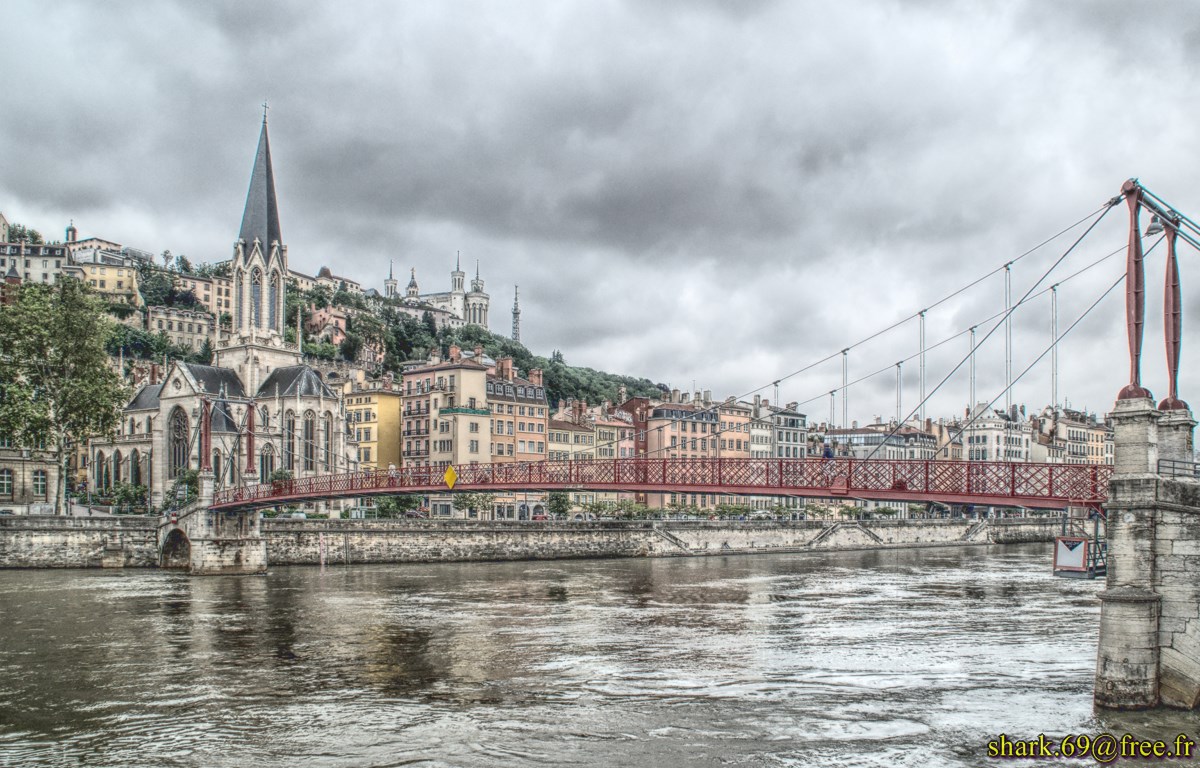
(70,542)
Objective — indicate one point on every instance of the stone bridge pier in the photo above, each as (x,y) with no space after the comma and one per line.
(205,542)
(1149,649)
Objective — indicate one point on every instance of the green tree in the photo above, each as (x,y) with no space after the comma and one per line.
(183,265)
(478,502)
(56,385)
(19,233)
(396,506)
(559,503)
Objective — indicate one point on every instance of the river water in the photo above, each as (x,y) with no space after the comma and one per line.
(893,658)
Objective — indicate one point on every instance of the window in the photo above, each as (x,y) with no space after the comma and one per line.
(289,442)
(310,441)
(179,452)
(6,482)
(474,427)
(474,446)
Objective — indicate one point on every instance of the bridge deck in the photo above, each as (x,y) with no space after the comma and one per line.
(1043,486)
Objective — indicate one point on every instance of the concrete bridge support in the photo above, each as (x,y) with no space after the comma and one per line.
(204,542)
(1149,649)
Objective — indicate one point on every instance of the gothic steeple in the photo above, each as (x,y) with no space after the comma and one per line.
(260,220)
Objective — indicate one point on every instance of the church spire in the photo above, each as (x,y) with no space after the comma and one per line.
(516,329)
(260,220)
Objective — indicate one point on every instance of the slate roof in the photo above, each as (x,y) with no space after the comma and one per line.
(12,270)
(146,398)
(222,418)
(212,379)
(295,380)
(261,218)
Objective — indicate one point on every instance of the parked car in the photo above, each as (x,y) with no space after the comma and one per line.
(539,517)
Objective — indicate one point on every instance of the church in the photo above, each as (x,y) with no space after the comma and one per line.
(258,409)
(467,307)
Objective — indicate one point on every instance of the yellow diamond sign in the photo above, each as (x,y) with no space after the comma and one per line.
(450,477)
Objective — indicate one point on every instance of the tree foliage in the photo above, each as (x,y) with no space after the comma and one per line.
(56,385)
(19,233)
(396,506)
(479,502)
(558,503)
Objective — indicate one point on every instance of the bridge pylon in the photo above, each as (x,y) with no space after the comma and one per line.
(207,542)
(1149,647)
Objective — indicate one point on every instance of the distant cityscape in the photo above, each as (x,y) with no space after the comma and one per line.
(301,400)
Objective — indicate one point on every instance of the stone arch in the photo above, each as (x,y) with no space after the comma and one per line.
(135,468)
(179,443)
(289,441)
(99,471)
(176,551)
(116,467)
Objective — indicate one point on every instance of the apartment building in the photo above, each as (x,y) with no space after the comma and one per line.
(185,328)
(373,409)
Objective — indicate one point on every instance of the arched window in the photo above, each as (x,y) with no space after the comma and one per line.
(135,469)
(256,280)
(116,470)
(327,441)
(99,465)
(239,288)
(310,441)
(132,425)
(149,424)
(273,296)
(179,443)
(266,464)
(6,482)
(289,441)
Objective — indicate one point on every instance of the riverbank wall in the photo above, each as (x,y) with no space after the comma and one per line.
(132,542)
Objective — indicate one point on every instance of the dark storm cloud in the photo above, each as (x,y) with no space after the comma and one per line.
(712,191)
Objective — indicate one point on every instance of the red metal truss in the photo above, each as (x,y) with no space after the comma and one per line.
(1041,486)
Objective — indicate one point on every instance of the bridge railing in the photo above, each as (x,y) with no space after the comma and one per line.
(1188,470)
(961,481)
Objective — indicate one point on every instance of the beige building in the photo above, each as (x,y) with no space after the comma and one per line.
(184,327)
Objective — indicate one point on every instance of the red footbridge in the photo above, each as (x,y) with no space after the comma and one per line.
(1009,484)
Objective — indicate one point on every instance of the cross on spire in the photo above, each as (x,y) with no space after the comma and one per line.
(265,108)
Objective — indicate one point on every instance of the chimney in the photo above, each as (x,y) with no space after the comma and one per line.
(766,403)
(504,368)
(683,398)
(622,394)
(707,396)
(455,353)
(562,405)
(478,353)
(535,376)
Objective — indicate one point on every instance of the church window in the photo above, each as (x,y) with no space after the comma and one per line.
(310,441)
(238,304)
(179,447)
(289,442)
(266,464)
(256,298)
(273,297)
(216,464)
(135,469)
(327,437)
(117,461)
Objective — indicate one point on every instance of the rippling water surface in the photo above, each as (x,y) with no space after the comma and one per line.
(902,658)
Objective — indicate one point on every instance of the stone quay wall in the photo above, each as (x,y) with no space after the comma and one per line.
(78,542)
(386,541)
(132,541)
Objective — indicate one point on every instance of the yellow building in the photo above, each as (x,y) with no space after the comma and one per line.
(115,283)
(373,411)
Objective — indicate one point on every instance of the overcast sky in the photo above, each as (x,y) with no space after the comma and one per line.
(687,191)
